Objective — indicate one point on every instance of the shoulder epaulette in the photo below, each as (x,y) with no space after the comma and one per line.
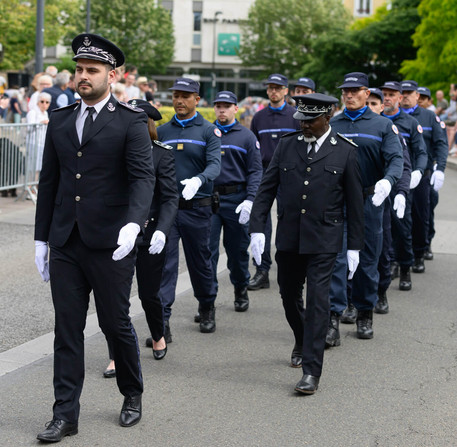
(347,139)
(69,106)
(289,134)
(130,107)
(165,146)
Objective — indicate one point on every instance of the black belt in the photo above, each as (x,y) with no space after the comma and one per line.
(368,191)
(194,203)
(229,189)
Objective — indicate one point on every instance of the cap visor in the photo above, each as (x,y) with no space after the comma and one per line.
(302,117)
(350,84)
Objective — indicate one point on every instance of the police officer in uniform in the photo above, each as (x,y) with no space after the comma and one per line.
(197,149)
(380,159)
(96,185)
(437,150)
(268,125)
(318,173)
(241,172)
(412,132)
(304,86)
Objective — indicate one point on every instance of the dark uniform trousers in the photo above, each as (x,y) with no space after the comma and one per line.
(236,240)
(402,235)
(421,215)
(385,276)
(309,325)
(193,227)
(75,271)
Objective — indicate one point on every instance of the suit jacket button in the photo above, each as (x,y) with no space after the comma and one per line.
(78,176)
(308,169)
(77,198)
(304,196)
(79,154)
(303,211)
(306,182)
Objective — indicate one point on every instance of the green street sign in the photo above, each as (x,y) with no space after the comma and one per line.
(227,44)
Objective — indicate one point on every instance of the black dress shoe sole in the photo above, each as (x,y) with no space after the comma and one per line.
(159,354)
(381,311)
(405,287)
(333,343)
(208,331)
(241,307)
(45,439)
(307,392)
(131,424)
(109,373)
(364,336)
(296,365)
(346,320)
(265,285)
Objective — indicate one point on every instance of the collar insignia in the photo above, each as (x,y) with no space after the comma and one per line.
(332,141)
(110,107)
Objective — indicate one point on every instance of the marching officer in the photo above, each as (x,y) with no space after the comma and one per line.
(304,86)
(241,172)
(268,125)
(318,173)
(96,186)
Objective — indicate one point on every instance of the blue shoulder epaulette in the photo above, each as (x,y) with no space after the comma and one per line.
(130,107)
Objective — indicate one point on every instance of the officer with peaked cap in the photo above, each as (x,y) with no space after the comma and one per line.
(318,174)
(437,150)
(268,125)
(381,164)
(96,186)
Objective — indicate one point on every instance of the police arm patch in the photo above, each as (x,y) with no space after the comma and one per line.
(217,132)
(443,125)
(257,145)
(419,129)
(395,129)
(437,118)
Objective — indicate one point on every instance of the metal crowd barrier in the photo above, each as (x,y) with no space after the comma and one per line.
(21,153)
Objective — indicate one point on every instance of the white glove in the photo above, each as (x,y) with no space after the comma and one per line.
(257,246)
(41,259)
(244,208)
(381,191)
(191,186)
(437,180)
(157,242)
(400,205)
(353,262)
(126,240)
(415,178)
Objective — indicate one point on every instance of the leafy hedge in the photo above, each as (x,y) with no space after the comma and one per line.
(167,113)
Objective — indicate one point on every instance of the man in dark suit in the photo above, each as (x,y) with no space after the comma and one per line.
(318,174)
(95,190)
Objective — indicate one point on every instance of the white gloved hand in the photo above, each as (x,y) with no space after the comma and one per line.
(126,240)
(353,262)
(41,259)
(437,180)
(157,242)
(400,205)
(244,208)
(191,186)
(257,246)
(415,178)
(381,191)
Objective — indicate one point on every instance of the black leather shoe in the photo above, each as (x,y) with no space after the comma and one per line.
(131,411)
(428,255)
(333,333)
(109,373)
(149,342)
(208,319)
(419,266)
(159,354)
(405,279)
(167,333)
(296,358)
(365,324)
(197,317)
(382,306)
(241,302)
(394,270)
(349,315)
(307,385)
(56,430)
(260,281)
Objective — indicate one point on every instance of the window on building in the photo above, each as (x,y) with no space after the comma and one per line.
(363,8)
(196,55)
(197,38)
(197,7)
(197,21)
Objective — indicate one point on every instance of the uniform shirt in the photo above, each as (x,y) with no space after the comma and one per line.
(412,132)
(434,136)
(379,150)
(197,151)
(269,125)
(240,160)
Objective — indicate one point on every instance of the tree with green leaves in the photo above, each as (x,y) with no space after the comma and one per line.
(278,35)
(18,28)
(141,28)
(436,63)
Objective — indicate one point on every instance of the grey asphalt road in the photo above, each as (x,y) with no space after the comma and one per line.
(234,387)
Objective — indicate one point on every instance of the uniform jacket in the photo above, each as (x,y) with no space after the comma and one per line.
(240,160)
(164,204)
(435,137)
(269,125)
(197,151)
(102,184)
(379,150)
(313,193)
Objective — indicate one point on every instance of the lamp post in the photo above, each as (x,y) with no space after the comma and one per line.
(213,64)
(39,38)
(87,16)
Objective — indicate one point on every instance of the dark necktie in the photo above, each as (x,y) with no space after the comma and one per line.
(312,151)
(88,123)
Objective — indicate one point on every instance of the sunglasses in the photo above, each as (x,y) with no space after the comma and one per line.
(45,102)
